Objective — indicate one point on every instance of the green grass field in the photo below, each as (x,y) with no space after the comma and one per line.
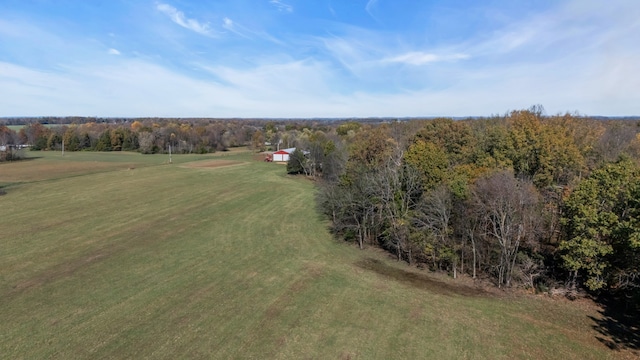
(19,127)
(125,256)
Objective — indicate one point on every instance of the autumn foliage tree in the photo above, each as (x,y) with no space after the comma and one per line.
(489,197)
(257,141)
(602,245)
(540,150)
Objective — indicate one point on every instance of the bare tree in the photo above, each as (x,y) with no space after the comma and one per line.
(352,208)
(507,207)
(335,160)
(434,216)
(468,222)
(396,186)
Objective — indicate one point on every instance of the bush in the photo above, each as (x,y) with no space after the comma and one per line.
(296,162)
(11,155)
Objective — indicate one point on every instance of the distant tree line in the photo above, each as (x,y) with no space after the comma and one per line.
(156,135)
(523,199)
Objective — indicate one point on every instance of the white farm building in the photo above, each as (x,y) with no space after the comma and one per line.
(282,155)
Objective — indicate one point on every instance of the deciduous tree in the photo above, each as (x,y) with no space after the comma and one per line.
(602,227)
(508,207)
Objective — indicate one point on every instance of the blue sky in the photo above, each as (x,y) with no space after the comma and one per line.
(318,58)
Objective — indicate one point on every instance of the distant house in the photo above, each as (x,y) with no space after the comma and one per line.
(282,155)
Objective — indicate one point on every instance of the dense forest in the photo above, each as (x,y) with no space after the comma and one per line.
(548,203)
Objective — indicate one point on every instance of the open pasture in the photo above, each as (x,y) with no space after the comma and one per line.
(47,165)
(17,128)
(125,256)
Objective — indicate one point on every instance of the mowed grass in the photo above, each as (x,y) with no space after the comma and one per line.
(17,128)
(198,260)
(52,164)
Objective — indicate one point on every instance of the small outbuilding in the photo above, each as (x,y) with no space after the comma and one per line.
(282,155)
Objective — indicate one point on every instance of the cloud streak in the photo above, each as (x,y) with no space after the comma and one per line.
(418,58)
(371,4)
(281,6)
(134,87)
(179,18)
(236,28)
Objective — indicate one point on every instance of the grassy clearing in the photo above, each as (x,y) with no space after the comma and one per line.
(17,128)
(47,165)
(193,260)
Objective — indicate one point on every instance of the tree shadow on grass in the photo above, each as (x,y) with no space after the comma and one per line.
(420,281)
(618,326)
(28,158)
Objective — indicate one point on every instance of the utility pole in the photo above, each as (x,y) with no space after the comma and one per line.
(62,146)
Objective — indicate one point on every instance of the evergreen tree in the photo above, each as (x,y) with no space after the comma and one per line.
(296,163)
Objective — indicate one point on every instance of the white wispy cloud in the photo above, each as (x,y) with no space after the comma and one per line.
(229,25)
(332,11)
(370,6)
(134,87)
(113,51)
(421,58)
(247,33)
(179,18)
(356,51)
(275,79)
(235,28)
(281,6)
(571,26)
